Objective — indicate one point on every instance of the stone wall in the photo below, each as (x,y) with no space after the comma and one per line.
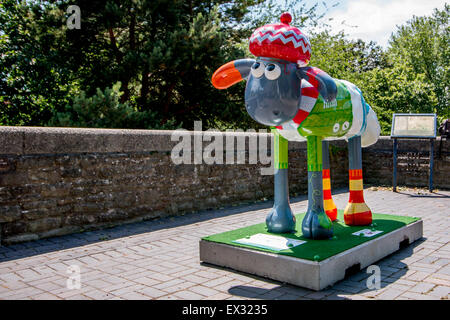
(55,181)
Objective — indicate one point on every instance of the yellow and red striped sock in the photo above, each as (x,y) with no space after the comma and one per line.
(328,203)
(357,213)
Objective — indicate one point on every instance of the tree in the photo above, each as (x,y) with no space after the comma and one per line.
(422,46)
(396,89)
(33,79)
(391,81)
(104,110)
(163,52)
(343,58)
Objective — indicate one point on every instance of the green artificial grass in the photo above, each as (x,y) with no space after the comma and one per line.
(318,250)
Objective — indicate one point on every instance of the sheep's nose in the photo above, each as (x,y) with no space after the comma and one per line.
(276,113)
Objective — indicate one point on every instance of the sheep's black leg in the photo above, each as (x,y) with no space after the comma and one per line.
(356,212)
(280,219)
(328,203)
(316,224)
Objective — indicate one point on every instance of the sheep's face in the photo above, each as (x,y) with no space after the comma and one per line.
(272,94)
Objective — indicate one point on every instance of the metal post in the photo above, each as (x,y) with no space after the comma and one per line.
(431,164)
(394,177)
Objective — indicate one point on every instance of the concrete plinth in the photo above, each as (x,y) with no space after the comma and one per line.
(305,273)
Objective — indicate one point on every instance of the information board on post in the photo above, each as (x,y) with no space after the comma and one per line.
(413,126)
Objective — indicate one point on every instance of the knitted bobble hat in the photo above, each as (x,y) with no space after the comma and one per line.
(281,41)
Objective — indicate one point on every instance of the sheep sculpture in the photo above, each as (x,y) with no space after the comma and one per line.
(304,103)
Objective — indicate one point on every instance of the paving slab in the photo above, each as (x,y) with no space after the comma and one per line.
(115,268)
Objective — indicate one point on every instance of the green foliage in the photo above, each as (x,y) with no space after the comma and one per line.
(343,58)
(162,52)
(422,46)
(30,84)
(412,75)
(148,63)
(396,90)
(104,110)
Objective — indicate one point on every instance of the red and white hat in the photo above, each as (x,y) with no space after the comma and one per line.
(281,41)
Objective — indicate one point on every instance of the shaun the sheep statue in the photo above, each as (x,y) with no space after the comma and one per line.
(299,103)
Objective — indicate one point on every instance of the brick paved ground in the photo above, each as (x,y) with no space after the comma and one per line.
(159,259)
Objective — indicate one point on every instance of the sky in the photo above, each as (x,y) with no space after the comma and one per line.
(374,19)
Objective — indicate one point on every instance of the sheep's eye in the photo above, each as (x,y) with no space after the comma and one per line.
(257,69)
(272,71)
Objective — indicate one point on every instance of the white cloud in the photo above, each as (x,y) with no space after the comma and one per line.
(377,19)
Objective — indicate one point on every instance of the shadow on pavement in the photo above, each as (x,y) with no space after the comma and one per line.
(425,195)
(392,269)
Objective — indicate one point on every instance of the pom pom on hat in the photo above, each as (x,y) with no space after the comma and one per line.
(286,18)
(281,41)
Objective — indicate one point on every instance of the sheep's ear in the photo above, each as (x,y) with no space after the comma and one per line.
(231,73)
(320,80)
